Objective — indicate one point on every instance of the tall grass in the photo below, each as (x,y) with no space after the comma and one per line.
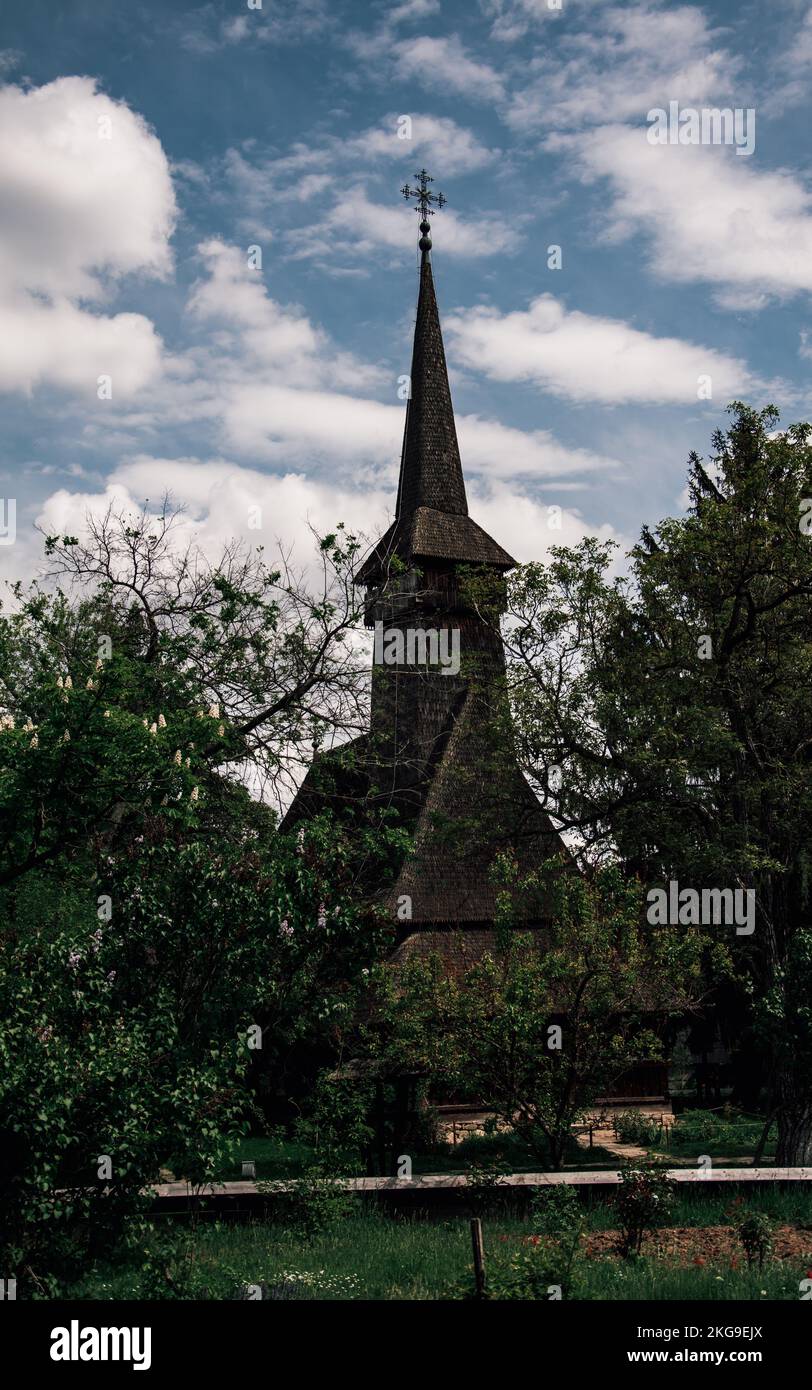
(378,1256)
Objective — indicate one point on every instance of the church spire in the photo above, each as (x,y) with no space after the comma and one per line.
(432,525)
(431,469)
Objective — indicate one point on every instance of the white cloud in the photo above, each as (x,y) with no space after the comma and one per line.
(528,527)
(630,59)
(322,169)
(63,345)
(788,82)
(445,61)
(271,385)
(437,139)
(204,31)
(224,501)
(324,429)
(79,212)
(494,450)
(375,225)
(76,205)
(283,393)
(711,215)
(513,18)
(319,427)
(412,9)
(585,357)
(260,334)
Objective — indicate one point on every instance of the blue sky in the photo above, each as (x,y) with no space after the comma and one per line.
(147,146)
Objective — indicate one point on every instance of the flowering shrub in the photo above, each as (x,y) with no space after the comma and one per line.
(643,1203)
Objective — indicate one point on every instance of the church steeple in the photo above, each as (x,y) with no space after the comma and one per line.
(430,469)
(431,516)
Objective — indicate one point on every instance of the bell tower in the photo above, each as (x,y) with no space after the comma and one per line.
(430,642)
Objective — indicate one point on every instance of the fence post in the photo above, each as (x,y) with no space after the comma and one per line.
(479,1256)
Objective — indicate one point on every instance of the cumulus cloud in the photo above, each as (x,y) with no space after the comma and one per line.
(585,357)
(268,384)
(437,139)
(223,501)
(87,199)
(284,394)
(61,344)
(326,428)
(653,54)
(710,215)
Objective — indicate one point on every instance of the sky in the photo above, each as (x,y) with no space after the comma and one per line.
(208,276)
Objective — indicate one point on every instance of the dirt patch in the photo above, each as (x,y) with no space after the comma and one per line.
(697,1245)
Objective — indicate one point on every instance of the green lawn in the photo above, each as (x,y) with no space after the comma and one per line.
(277,1157)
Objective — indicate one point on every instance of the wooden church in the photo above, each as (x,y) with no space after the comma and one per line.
(439,753)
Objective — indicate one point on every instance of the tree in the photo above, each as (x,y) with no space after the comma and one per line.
(547,1020)
(157,932)
(674,704)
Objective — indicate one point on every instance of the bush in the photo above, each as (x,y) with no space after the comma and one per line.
(556,1210)
(312,1204)
(643,1203)
(757,1234)
(541,1271)
(633,1127)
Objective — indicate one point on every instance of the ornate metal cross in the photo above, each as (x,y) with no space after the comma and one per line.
(424,198)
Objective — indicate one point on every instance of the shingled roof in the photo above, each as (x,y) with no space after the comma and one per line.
(431,521)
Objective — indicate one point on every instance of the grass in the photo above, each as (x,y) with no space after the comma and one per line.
(696,1132)
(789,1205)
(278,1157)
(372,1255)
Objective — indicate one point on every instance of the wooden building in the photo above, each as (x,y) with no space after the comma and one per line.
(439,749)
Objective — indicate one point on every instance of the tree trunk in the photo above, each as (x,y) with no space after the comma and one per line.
(794,1148)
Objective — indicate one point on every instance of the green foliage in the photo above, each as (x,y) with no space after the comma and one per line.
(484,1179)
(541,1270)
(675,702)
(544,1023)
(757,1234)
(155,927)
(643,1203)
(556,1211)
(337,1131)
(336,1125)
(633,1127)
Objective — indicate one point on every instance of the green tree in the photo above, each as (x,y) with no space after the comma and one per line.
(547,1020)
(675,703)
(155,926)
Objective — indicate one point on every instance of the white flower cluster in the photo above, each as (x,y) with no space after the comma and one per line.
(319,1281)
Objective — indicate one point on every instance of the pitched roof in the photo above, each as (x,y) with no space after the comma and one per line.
(427,534)
(473,805)
(430,469)
(431,519)
(477,805)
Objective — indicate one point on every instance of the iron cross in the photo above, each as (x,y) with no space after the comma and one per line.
(424,198)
